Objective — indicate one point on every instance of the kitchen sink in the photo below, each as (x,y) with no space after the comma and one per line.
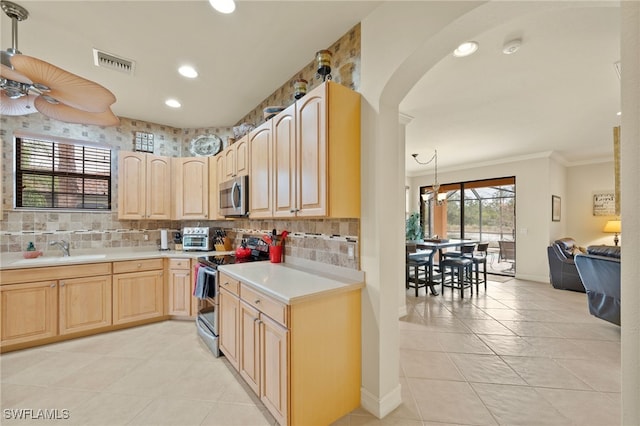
(54,260)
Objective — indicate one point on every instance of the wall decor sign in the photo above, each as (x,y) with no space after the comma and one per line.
(604,203)
(143,141)
(555,208)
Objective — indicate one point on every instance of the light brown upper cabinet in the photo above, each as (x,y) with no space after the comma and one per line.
(236,158)
(216,176)
(191,187)
(261,171)
(144,186)
(328,152)
(313,166)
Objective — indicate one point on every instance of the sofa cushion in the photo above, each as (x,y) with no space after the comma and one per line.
(609,251)
(569,247)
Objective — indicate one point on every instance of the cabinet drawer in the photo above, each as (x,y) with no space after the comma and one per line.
(230,284)
(179,264)
(137,265)
(265,304)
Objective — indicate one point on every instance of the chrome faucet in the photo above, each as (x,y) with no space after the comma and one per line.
(64,246)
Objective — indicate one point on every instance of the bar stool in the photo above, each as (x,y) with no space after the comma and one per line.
(460,267)
(480,259)
(415,264)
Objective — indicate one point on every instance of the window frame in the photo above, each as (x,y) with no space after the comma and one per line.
(54,141)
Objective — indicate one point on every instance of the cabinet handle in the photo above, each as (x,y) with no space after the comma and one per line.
(292,211)
(225,283)
(139,265)
(61,283)
(256,319)
(257,301)
(52,285)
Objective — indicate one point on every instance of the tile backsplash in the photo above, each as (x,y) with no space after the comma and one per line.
(322,240)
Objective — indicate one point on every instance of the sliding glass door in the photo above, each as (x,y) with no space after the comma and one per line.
(478,210)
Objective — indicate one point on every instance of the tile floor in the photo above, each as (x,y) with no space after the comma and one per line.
(522,353)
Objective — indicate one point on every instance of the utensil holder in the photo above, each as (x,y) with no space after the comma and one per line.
(275,254)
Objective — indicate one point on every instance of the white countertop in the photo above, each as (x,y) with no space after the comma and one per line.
(15,260)
(288,283)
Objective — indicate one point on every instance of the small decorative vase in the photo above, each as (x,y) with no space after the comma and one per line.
(299,88)
(324,65)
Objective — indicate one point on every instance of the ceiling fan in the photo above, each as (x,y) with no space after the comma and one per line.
(29,84)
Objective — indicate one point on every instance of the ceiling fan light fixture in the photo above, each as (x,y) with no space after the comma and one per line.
(172,103)
(465,49)
(223,6)
(188,71)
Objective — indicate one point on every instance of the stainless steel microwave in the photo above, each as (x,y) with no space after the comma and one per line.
(234,197)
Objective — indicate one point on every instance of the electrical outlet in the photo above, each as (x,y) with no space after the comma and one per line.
(351,251)
(145,237)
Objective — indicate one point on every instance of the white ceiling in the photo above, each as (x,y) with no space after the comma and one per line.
(559,92)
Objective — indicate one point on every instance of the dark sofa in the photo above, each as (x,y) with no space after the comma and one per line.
(562,269)
(600,273)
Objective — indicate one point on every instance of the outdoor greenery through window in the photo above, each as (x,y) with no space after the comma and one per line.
(480,210)
(62,175)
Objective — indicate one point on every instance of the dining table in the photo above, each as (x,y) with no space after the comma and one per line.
(427,248)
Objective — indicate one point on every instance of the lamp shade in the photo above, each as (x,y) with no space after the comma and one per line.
(612,226)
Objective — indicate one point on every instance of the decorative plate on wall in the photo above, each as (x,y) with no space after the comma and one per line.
(205,145)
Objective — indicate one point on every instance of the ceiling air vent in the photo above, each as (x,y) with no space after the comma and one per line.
(107,60)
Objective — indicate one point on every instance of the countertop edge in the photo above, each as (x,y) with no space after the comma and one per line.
(110,257)
(347,285)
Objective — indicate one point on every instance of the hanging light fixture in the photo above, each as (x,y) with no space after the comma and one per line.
(438,197)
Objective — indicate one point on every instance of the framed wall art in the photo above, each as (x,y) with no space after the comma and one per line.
(604,203)
(555,208)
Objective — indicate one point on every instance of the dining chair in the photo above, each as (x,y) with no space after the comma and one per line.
(416,265)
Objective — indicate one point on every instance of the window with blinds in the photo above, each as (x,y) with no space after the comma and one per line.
(58,175)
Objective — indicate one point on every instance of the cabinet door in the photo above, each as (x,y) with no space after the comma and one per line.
(29,312)
(311,190)
(214,197)
(192,188)
(132,185)
(85,303)
(249,353)
(230,162)
(274,355)
(284,163)
(179,292)
(228,327)
(261,176)
(242,157)
(137,296)
(158,197)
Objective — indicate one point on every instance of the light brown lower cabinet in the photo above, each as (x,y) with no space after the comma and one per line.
(137,296)
(229,305)
(302,360)
(179,287)
(85,303)
(29,312)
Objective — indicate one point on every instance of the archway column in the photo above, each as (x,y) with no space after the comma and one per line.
(630,204)
(382,257)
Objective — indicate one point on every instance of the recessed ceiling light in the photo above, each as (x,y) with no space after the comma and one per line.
(223,6)
(188,71)
(172,103)
(619,113)
(465,49)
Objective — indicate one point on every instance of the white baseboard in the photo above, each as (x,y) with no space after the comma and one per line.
(380,407)
(536,278)
(402,311)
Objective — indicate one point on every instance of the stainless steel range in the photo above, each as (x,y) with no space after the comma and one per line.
(206,289)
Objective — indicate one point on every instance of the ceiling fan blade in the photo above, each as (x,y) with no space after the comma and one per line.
(21,106)
(66,87)
(69,114)
(9,74)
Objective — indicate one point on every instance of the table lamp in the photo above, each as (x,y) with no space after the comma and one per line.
(613,226)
